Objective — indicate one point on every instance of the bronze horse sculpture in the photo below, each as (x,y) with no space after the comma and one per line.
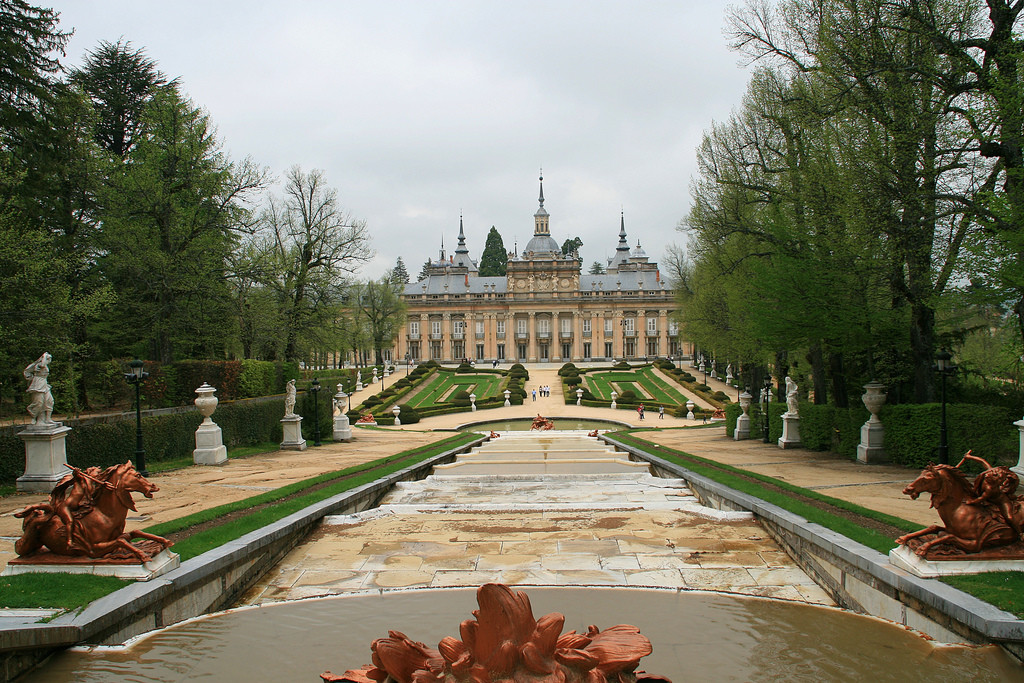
(86,514)
(985,514)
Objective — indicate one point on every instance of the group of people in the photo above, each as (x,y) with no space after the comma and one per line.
(640,411)
(544,391)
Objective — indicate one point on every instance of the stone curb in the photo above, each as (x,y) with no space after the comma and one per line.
(147,601)
(989,622)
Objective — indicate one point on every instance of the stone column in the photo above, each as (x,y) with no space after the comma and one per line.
(210,448)
(1019,467)
(663,345)
(871,447)
(742,430)
(46,461)
(531,343)
(446,337)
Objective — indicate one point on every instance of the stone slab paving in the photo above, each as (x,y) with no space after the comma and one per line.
(532,529)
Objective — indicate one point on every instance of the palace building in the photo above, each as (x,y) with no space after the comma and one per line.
(544,309)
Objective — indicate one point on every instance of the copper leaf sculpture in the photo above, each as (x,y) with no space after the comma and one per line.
(505,643)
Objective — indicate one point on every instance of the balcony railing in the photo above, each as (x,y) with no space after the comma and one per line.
(629,333)
(565,334)
(522,335)
(479,335)
(436,336)
(457,335)
(543,335)
(414,335)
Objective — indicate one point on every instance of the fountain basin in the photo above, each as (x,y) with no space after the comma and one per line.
(696,636)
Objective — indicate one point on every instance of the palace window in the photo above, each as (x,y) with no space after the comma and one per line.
(414,328)
(501,327)
(586,326)
(652,325)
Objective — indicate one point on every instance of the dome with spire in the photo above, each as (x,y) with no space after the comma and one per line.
(541,244)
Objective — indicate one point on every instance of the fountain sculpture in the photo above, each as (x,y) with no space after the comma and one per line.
(984,516)
(541,423)
(504,642)
(85,517)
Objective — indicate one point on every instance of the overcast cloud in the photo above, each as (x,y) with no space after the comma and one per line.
(419,110)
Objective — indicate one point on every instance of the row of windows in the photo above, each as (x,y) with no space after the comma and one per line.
(543,326)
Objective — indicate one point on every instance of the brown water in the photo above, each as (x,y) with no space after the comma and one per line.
(696,637)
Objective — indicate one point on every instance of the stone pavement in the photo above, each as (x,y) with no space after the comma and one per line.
(188,490)
(606,524)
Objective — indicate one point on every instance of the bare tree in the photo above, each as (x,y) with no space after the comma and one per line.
(316,245)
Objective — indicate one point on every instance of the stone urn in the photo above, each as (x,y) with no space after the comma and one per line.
(206,402)
(874,398)
(689,410)
(745,403)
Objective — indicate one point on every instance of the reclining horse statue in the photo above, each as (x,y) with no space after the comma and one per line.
(86,514)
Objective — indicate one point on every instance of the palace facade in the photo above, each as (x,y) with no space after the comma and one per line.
(543,309)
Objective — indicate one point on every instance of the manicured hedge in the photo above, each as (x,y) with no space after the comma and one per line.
(168,437)
(911,430)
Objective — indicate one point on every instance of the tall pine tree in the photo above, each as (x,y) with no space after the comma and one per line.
(494,259)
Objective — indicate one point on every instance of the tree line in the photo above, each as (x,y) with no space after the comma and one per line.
(863,206)
(126,230)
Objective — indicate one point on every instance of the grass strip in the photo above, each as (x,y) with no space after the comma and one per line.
(407,457)
(70,591)
(59,591)
(1002,589)
(739,480)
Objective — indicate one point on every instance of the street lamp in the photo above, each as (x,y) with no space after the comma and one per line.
(315,388)
(767,400)
(407,363)
(137,376)
(944,368)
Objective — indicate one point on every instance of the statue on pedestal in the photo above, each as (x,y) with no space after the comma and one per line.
(41,405)
(792,397)
(289,399)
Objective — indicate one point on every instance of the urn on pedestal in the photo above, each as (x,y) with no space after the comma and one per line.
(872,438)
(742,430)
(210,449)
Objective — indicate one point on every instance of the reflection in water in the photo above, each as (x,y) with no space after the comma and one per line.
(696,636)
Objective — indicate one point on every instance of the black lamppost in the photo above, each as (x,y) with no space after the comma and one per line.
(944,368)
(704,366)
(315,388)
(406,363)
(767,400)
(137,377)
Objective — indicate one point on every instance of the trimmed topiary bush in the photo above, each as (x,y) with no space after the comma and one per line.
(628,397)
(409,415)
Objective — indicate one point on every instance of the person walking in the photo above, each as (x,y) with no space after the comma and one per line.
(535,395)
(640,410)
(661,412)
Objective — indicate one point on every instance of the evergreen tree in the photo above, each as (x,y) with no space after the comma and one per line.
(571,246)
(400,274)
(494,259)
(596,268)
(423,271)
(120,82)
(28,37)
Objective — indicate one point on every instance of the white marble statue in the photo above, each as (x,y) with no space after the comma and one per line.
(289,399)
(791,396)
(41,406)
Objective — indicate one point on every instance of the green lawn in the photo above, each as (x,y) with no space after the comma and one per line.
(647,385)
(447,383)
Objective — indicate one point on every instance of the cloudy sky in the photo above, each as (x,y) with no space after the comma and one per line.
(420,110)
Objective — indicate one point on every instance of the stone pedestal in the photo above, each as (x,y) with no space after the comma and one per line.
(1019,467)
(342,429)
(210,448)
(45,458)
(790,431)
(48,563)
(742,430)
(870,449)
(292,427)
